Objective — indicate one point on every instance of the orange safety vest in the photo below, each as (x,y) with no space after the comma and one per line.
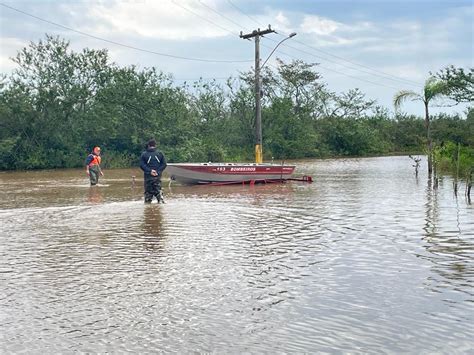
(95,160)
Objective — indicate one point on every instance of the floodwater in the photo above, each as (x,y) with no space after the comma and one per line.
(367,259)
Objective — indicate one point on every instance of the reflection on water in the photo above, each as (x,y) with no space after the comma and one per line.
(450,253)
(367,259)
(152,228)
(94,195)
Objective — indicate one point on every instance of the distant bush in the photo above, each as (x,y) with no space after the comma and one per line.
(446,157)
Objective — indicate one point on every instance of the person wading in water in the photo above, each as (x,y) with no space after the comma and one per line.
(152,162)
(93,169)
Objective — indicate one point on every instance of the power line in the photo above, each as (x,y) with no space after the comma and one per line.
(218,13)
(341,73)
(321,66)
(198,59)
(308,53)
(205,19)
(333,55)
(241,11)
(125,45)
(382,74)
(347,66)
(358,64)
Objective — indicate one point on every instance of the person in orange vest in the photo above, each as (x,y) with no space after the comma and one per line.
(93,169)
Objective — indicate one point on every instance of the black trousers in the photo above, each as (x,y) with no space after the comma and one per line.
(152,188)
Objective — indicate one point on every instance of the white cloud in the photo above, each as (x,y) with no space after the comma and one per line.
(404,25)
(7,64)
(407,45)
(158,19)
(327,32)
(409,72)
(319,25)
(9,47)
(282,19)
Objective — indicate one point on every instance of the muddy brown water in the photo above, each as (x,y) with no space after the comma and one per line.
(367,259)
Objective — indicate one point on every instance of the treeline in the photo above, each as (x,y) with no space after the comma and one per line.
(58,104)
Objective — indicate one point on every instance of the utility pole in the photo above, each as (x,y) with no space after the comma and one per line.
(258,110)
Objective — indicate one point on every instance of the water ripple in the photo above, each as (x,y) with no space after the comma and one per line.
(367,259)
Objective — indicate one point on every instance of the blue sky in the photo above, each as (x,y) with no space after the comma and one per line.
(379,47)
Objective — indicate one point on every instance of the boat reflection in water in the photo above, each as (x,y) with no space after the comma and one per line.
(228,173)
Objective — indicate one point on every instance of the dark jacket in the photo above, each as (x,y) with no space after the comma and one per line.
(152,159)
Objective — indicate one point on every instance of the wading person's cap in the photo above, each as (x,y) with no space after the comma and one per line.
(152,143)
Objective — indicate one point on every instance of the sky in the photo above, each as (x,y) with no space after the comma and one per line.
(380,47)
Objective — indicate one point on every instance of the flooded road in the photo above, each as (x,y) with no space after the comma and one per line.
(367,259)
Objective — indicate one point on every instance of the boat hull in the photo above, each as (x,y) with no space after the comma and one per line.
(227,173)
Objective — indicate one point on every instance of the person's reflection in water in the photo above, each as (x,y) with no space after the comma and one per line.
(153,227)
(94,196)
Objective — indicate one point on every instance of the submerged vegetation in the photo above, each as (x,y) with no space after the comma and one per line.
(58,104)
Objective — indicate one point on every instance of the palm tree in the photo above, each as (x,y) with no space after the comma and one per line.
(433,88)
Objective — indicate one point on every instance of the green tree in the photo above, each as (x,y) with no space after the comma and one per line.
(59,102)
(433,89)
(240,135)
(298,80)
(352,104)
(51,89)
(288,135)
(407,133)
(459,83)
